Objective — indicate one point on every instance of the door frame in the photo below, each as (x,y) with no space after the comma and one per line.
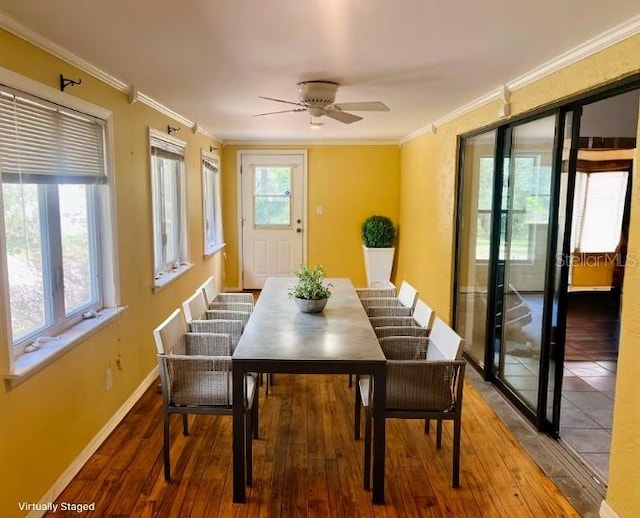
(305,200)
(539,417)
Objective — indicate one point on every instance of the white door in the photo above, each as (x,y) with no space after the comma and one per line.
(272,226)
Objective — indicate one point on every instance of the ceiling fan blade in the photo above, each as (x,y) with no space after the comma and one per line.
(341,116)
(372,106)
(281,111)
(280,100)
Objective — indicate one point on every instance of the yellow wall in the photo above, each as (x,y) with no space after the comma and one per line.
(350,182)
(47,420)
(427,202)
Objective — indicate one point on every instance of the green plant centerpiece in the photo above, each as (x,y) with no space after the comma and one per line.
(378,232)
(310,292)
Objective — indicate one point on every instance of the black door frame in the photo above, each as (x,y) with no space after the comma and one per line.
(548,352)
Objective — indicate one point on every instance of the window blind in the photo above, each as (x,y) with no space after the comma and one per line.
(41,142)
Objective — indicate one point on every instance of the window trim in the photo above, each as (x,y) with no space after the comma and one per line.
(21,364)
(175,146)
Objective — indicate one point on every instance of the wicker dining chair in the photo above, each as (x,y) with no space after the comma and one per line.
(200,320)
(196,377)
(400,305)
(213,296)
(417,389)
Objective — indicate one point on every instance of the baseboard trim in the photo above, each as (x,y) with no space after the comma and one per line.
(73,469)
(606,511)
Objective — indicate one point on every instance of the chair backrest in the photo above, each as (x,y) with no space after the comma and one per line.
(407,295)
(444,342)
(195,306)
(423,314)
(170,332)
(209,289)
(424,386)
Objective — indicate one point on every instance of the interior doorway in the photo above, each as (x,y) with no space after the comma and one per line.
(601,208)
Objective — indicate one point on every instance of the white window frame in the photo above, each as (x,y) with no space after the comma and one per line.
(211,203)
(165,267)
(29,356)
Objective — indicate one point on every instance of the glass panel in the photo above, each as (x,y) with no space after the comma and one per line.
(209,207)
(23,232)
(272,180)
(76,247)
(272,196)
(272,210)
(473,242)
(524,241)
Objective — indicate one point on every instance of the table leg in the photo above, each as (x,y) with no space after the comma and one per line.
(238,434)
(379,404)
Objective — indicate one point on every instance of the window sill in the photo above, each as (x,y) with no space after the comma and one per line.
(27,364)
(167,278)
(209,251)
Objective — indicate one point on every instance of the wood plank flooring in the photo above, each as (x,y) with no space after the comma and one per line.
(306,463)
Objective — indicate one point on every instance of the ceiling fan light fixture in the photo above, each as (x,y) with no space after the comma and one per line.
(316,111)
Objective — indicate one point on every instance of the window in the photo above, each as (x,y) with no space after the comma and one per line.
(212,209)
(272,196)
(169,205)
(598,209)
(55,207)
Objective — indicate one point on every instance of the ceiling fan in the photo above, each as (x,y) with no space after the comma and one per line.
(317,97)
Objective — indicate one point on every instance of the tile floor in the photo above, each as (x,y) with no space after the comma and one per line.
(587,411)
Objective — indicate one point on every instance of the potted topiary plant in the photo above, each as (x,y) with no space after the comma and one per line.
(378,234)
(310,292)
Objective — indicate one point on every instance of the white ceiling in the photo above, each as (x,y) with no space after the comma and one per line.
(210,60)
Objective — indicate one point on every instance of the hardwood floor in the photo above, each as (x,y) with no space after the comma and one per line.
(306,463)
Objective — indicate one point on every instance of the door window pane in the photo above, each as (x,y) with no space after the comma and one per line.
(272,196)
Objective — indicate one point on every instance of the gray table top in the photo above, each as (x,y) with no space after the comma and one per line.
(279,331)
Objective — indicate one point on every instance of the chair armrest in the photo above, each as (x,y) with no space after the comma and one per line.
(411,331)
(389,311)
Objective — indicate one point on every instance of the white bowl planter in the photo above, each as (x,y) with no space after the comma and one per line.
(377,264)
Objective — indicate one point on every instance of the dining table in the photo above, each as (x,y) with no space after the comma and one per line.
(279,338)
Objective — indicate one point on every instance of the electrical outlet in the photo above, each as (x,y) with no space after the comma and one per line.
(108,379)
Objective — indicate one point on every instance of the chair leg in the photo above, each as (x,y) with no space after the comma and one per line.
(167,466)
(456,452)
(356,412)
(426,426)
(367,450)
(248,446)
(185,424)
(439,434)
(254,418)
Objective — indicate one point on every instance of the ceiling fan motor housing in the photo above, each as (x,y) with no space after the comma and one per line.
(317,94)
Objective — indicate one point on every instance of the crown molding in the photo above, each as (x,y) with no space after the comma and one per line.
(309,142)
(607,39)
(30,36)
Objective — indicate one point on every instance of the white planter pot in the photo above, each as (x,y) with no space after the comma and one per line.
(377,264)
